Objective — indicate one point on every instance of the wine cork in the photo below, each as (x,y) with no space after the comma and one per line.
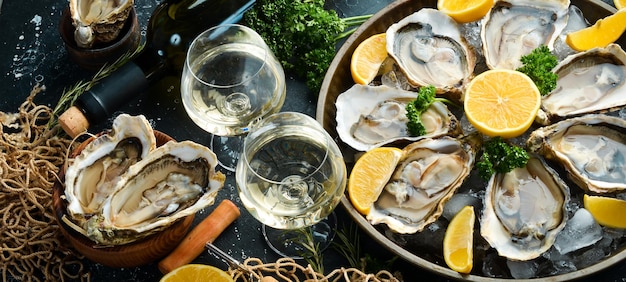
(73,122)
(206,231)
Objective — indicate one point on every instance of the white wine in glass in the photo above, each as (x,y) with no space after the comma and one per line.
(230,79)
(291,174)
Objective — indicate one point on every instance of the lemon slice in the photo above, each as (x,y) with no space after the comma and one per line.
(369,176)
(601,34)
(367,58)
(464,11)
(606,211)
(458,242)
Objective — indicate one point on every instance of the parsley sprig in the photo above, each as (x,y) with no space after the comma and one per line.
(302,34)
(500,157)
(425,97)
(538,66)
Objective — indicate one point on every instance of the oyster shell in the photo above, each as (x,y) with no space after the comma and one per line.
(121,188)
(372,116)
(514,28)
(173,181)
(524,210)
(592,148)
(589,82)
(92,175)
(98,20)
(428,174)
(429,49)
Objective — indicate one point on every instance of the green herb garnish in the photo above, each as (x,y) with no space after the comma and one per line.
(425,97)
(538,66)
(301,33)
(500,157)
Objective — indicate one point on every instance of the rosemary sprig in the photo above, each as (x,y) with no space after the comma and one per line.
(311,253)
(349,246)
(69,96)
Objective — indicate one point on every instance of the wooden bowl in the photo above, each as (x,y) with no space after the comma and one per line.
(338,79)
(142,252)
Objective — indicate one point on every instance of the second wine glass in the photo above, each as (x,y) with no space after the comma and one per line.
(230,79)
(291,175)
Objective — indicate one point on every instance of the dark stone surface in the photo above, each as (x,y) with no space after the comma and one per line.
(31,51)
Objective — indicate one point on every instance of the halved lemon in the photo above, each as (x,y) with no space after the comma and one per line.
(197,273)
(369,176)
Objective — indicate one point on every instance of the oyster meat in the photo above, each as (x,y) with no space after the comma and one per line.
(513,28)
(524,210)
(98,20)
(430,50)
(92,175)
(592,148)
(428,174)
(372,116)
(121,188)
(589,82)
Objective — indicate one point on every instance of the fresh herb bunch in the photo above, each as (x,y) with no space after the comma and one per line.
(425,97)
(538,66)
(500,156)
(301,33)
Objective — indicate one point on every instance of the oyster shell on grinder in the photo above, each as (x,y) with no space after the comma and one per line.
(428,174)
(589,82)
(98,20)
(592,148)
(524,210)
(372,116)
(429,49)
(513,28)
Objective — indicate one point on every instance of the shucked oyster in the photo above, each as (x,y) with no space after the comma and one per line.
(372,116)
(428,174)
(91,177)
(524,210)
(513,28)
(98,20)
(429,49)
(592,148)
(121,189)
(589,82)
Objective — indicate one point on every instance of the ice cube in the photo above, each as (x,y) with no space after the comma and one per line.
(580,231)
(457,202)
(522,269)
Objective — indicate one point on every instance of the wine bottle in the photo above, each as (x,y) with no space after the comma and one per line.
(171,28)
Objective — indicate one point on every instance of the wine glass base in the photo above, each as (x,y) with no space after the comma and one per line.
(227,150)
(288,243)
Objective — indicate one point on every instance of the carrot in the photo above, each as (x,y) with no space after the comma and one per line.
(206,231)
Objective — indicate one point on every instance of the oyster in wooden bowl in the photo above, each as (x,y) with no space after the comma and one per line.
(128,196)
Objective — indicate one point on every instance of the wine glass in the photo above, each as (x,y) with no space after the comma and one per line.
(291,175)
(230,79)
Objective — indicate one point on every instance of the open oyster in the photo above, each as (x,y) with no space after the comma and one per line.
(121,188)
(428,174)
(589,82)
(98,20)
(592,148)
(372,116)
(513,28)
(91,177)
(429,49)
(524,210)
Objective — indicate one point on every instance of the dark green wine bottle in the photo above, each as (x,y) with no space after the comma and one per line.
(171,28)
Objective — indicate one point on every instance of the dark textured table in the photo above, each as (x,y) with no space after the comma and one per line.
(32,52)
